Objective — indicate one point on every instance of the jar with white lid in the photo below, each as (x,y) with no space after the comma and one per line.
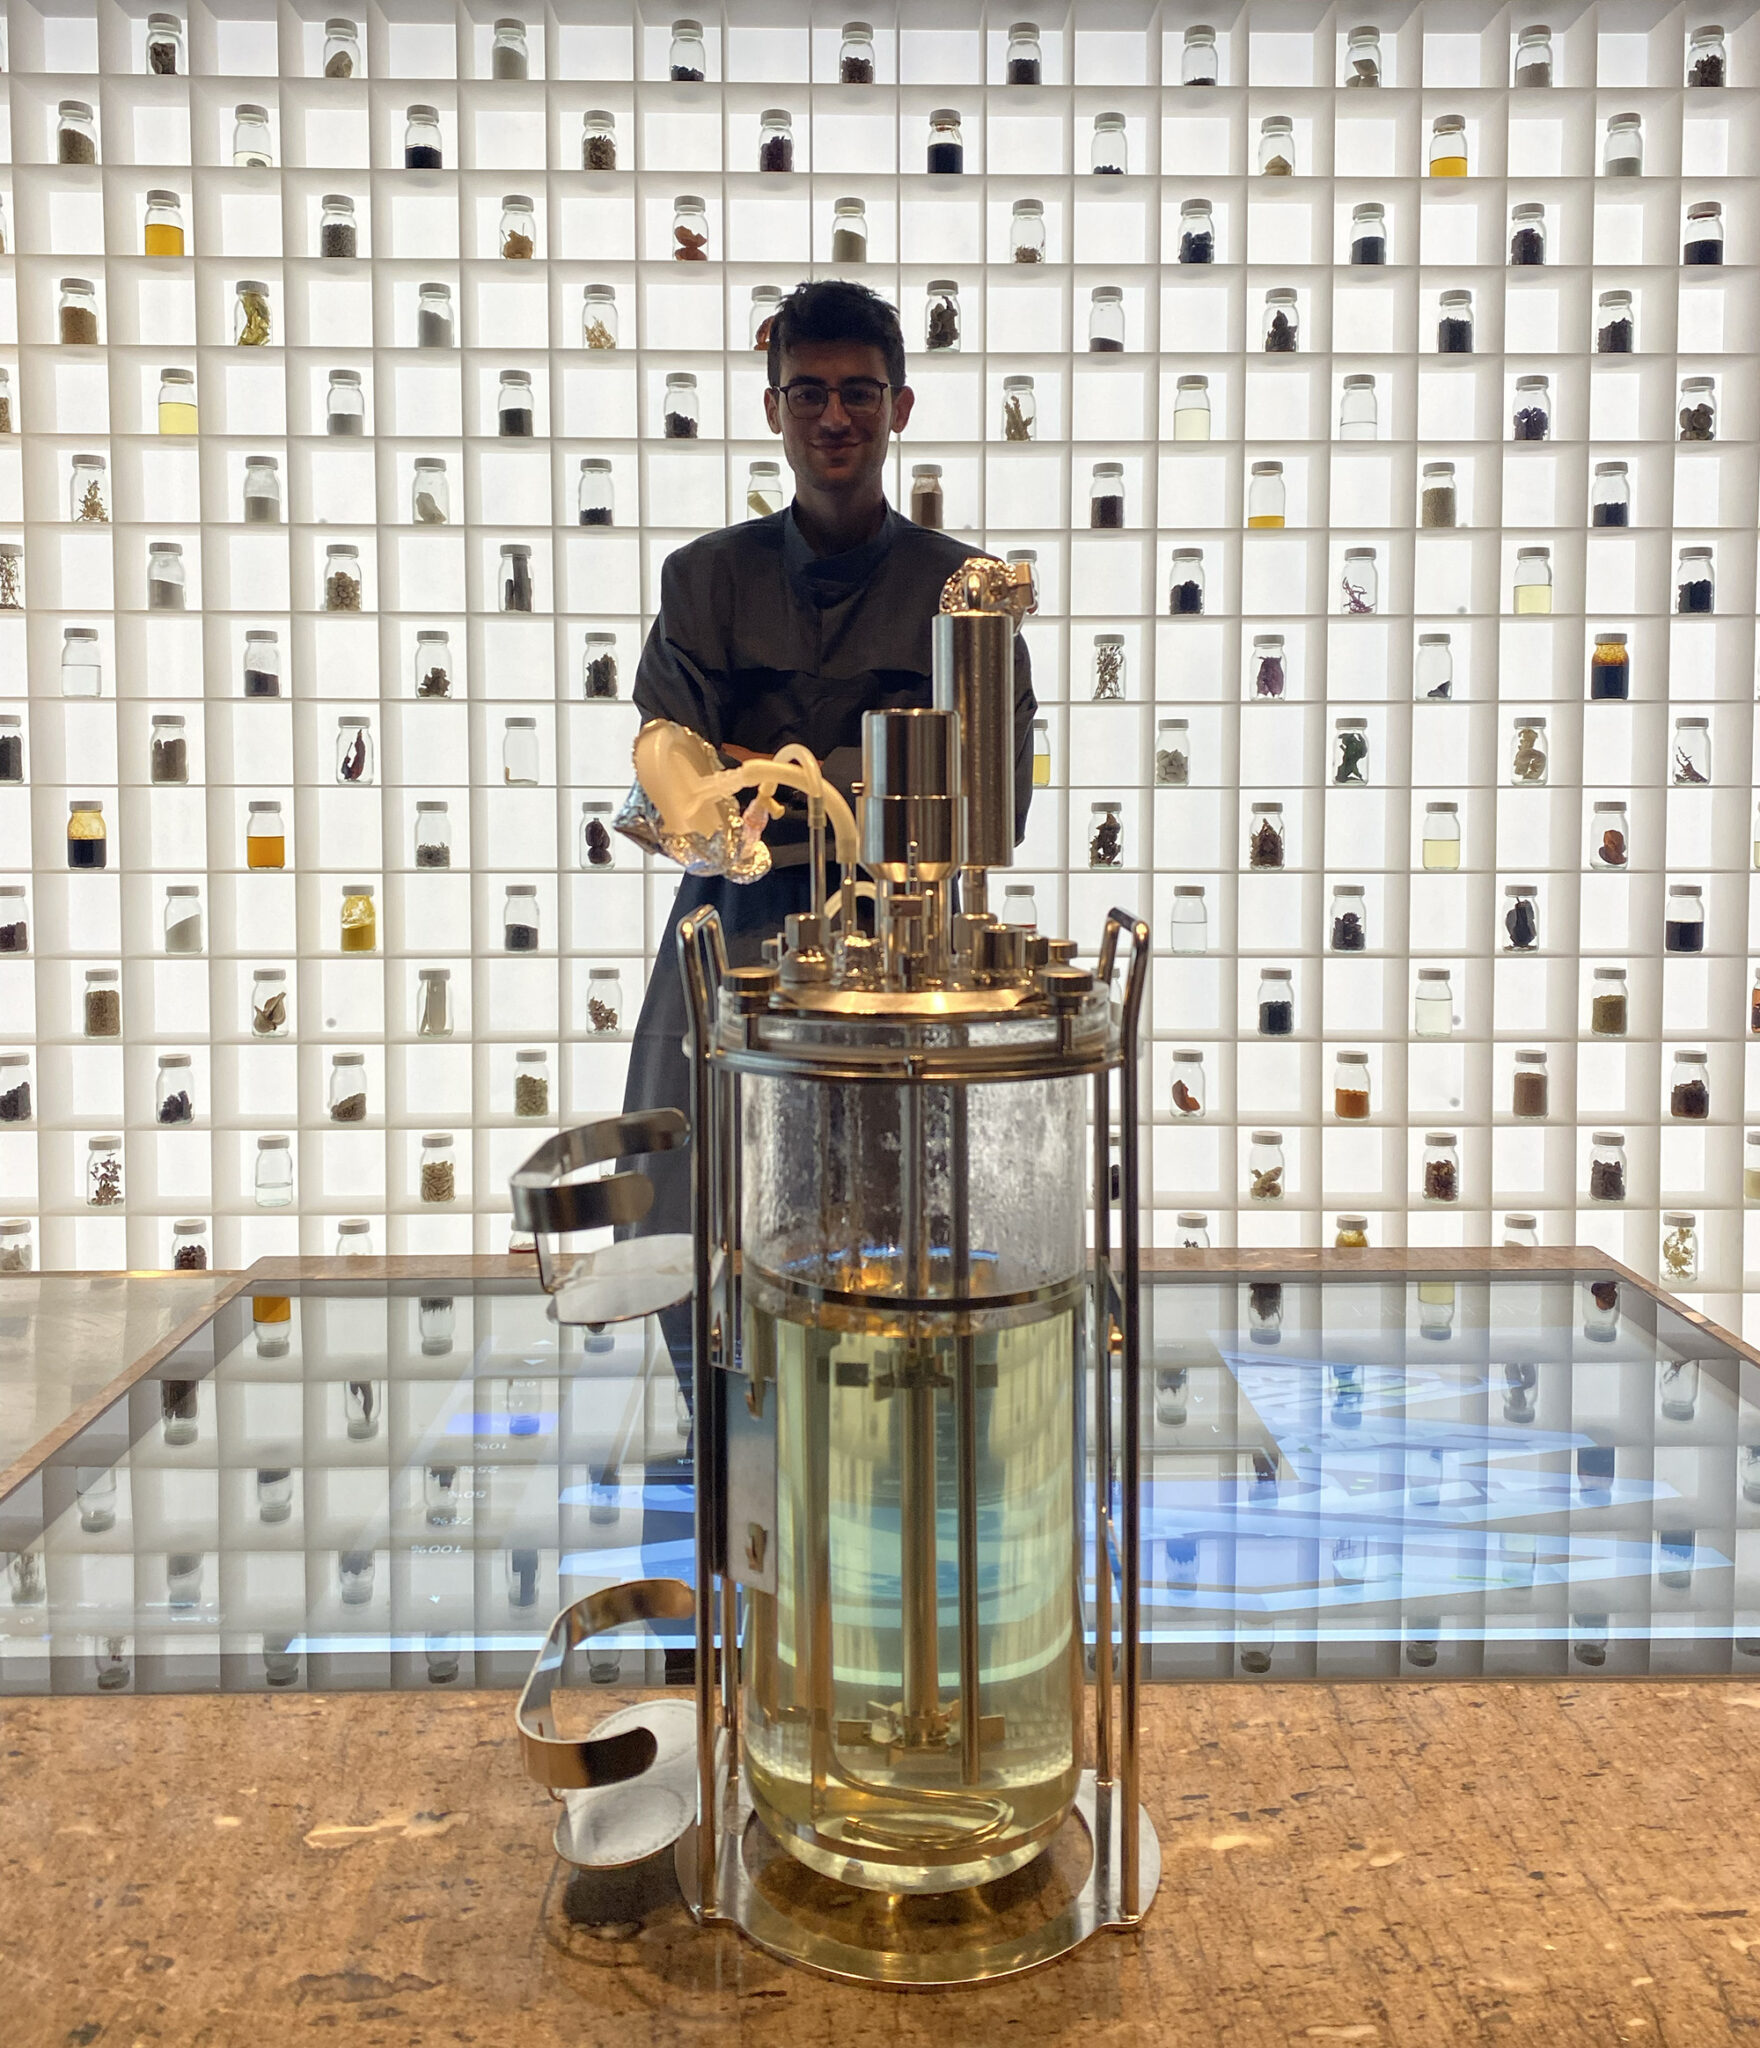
(1022,63)
(597,846)
(687,61)
(1527,234)
(763,489)
(77,312)
(1347,918)
(1359,416)
(1607,1166)
(358,926)
(1191,407)
(1532,417)
(1454,323)
(345,404)
(11,576)
(265,836)
(17,1252)
(1362,56)
(1027,231)
(1266,497)
(1020,409)
(430,496)
(1531,594)
(1107,154)
(1265,1167)
(103,1172)
(1706,56)
(1448,146)
(253,322)
(1020,907)
(76,134)
(342,577)
(1683,928)
(1530,1089)
(599,667)
(690,228)
(1185,592)
(519,918)
(531,1081)
(1281,327)
(1433,1004)
(342,48)
(433,664)
(928,505)
(88,490)
(1608,1005)
(596,495)
(1359,583)
(16,1099)
(513,405)
(1534,56)
(164,46)
(1192,1234)
(102,1014)
(1529,762)
(508,54)
(1433,671)
(162,224)
(433,315)
(1442,1167)
(1695,582)
(1197,232)
(1351,1101)
(1622,149)
(422,147)
(598,140)
(434,1002)
(1679,1265)
(354,748)
(519,227)
(1521,918)
(1609,836)
(1276,1002)
(519,753)
(1698,409)
(1616,331)
(1105,835)
(1610,496)
(167,750)
(1277,146)
(1106,320)
(269,1013)
(1437,500)
(183,918)
(172,1101)
(11,748)
(1198,58)
(354,1240)
(1109,668)
(1350,1233)
(1690,761)
(438,1168)
(433,840)
(1369,234)
(1440,846)
(1187,1090)
(274,1175)
(252,148)
(1689,1092)
(1269,668)
(1350,753)
(946,155)
(1189,924)
(1521,1231)
(604,999)
(1172,753)
(1106,496)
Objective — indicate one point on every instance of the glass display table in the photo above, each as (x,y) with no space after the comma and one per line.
(373,1474)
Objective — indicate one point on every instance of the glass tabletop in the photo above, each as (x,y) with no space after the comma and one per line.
(391,1483)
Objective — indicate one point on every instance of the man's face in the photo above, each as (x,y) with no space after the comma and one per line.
(835,452)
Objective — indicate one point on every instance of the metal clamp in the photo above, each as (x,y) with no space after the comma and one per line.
(625,1280)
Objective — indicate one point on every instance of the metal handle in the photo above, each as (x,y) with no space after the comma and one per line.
(547,1204)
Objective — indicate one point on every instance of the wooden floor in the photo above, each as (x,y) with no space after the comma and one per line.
(1398,1864)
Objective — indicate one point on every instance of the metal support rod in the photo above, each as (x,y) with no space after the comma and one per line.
(920,1615)
(966,1439)
(1102,1431)
(728,1138)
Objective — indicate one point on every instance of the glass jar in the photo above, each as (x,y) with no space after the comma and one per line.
(690,229)
(519,753)
(16,1254)
(274,1175)
(1695,582)
(1433,673)
(345,404)
(103,1172)
(164,49)
(1197,57)
(252,323)
(1680,1248)
(82,665)
(1610,842)
(269,1002)
(1191,408)
(941,314)
(162,230)
(438,1168)
(1528,759)
(177,402)
(1042,762)
(598,140)
(1350,1233)
(11,576)
(336,229)
(1521,1231)
(1106,320)
(1530,1091)
(1350,1087)
(265,839)
(531,1081)
(183,918)
(1610,500)
(1532,591)
(1350,753)
(1684,927)
(102,1015)
(1448,146)
(165,580)
(947,149)
(1109,668)
(1106,496)
(11,748)
(766,299)
(1622,149)
(508,57)
(687,63)
(597,848)
(1270,671)
(1020,907)
(15,1087)
(262,663)
(1265,1168)
(430,497)
(599,666)
(927,505)
(1027,231)
(1105,835)
(433,315)
(1527,233)
(604,999)
(855,55)
(433,1002)
(1348,918)
(1607,1002)
(87,845)
(342,48)
(1359,583)
(1358,412)
(1020,410)
(1022,65)
(1454,324)
(422,150)
(1442,1167)
(595,497)
(1521,918)
(1277,1002)
(342,577)
(1433,1004)
(1534,56)
(1441,842)
(77,312)
(1188,1092)
(354,748)
(76,136)
(1185,594)
(1277,146)
(516,576)
(1189,924)
(1750,1192)
(1532,417)
(519,918)
(358,929)
(680,417)
(1265,495)
(519,227)
(1609,669)
(513,406)
(1282,325)
(1690,763)
(262,491)
(1265,836)
(354,1240)
(1172,753)
(1607,1166)
(1437,503)
(1615,327)
(1369,233)
(1698,409)
(88,490)
(1197,232)
(433,840)
(434,1324)
(171,1090)
(1705,56)
(252,148)
(1107,154)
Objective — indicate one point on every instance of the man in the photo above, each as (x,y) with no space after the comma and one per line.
(790,628)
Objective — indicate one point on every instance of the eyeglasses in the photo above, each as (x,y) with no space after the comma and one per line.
(807,397)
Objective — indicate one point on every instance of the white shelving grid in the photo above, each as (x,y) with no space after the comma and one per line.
(414,226)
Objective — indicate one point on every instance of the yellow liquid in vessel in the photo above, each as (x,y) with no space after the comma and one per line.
(1191,425)
(1533,597)
(1262,519)
(262,851)
(1442,853)
(177,416)
(162,239)
(1042,780)
(853,1777)
(1448,167)
(360,925)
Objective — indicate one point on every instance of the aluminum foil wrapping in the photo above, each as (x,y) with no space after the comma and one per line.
(734,848)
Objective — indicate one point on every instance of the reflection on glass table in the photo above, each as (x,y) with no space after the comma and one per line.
(391,1483)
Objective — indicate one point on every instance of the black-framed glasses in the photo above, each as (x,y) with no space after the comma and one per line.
(807,397)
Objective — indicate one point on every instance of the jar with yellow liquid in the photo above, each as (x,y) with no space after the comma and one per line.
(1533,582)
(1265,495)
(1441,842)
(360,920)
(1042,768)
(265,843)
(272,1324)
(164,224)
(1448,146)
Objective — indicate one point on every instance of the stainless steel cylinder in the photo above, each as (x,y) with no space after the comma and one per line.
(910,794)
(974,676)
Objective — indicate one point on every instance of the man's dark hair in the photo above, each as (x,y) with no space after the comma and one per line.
(836,309)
